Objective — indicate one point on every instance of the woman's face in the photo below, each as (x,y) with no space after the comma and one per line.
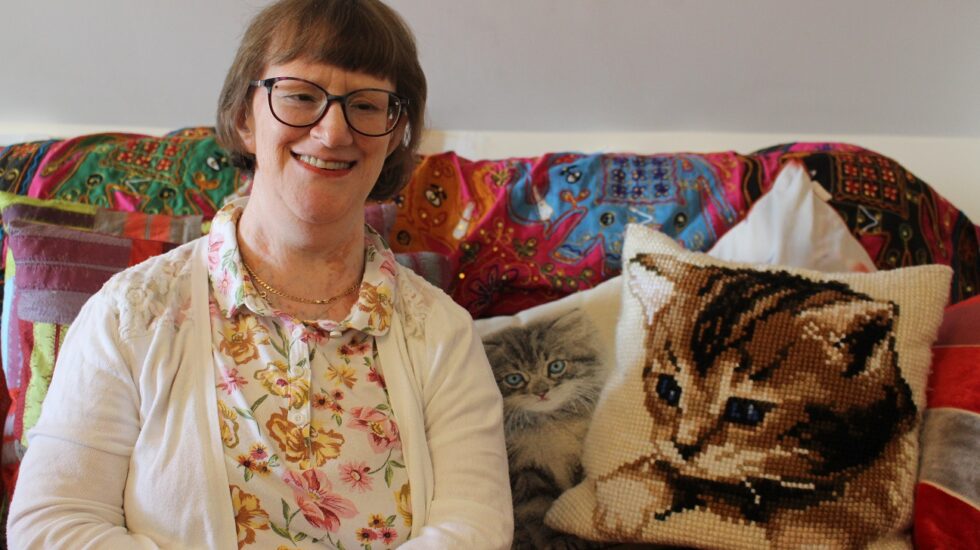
(320,174)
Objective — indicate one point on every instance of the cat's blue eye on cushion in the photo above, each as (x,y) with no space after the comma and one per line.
(745,411)
(668,389)
(514,380)
(556,367)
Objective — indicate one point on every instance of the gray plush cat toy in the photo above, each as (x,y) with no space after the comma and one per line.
(550,375)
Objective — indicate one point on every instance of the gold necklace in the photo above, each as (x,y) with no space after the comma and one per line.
(266,288)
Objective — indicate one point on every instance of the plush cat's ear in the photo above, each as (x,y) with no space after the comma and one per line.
(650,287)
(859,330)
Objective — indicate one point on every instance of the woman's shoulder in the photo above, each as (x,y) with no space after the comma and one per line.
(424,304)
(159,287)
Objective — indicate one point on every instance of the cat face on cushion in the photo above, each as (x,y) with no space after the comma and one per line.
(547,368)
(766,380)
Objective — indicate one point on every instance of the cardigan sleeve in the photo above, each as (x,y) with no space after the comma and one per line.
(471,506)
(71,482)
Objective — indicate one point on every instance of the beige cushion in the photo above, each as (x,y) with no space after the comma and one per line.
(757,406)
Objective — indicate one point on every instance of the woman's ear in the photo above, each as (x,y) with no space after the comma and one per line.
(246,130)
(397,137)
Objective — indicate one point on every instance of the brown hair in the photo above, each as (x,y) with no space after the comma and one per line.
(356,35)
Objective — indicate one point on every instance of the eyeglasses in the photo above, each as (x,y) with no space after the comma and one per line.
(300,103)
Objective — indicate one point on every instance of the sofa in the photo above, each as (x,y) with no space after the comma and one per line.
(503,237)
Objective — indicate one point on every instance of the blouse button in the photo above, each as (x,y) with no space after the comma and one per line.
(298,417)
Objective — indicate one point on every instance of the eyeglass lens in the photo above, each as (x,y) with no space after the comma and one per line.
(299,103)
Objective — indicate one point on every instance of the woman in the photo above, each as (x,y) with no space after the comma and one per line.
(281,382)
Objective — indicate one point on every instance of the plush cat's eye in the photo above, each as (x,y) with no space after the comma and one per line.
(514,380)
(745,411)
(556,367)
(668,389)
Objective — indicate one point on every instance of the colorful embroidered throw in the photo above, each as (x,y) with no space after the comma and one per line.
(520,232)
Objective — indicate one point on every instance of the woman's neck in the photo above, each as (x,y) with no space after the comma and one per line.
(314,263)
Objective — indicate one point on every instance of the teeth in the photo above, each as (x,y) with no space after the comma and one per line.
(325,164)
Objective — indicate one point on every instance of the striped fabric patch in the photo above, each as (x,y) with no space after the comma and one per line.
(157,227)
(58,268)
(947,501)
(57,255)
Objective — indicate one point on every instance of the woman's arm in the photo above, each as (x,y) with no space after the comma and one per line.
(471,506)
(70,486)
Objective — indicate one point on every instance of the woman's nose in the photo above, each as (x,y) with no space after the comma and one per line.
(332,130)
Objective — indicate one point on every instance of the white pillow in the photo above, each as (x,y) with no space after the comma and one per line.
(792,225)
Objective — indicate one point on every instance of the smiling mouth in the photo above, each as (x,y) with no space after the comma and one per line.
(325,164)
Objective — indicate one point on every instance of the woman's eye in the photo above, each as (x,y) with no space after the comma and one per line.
(364,107)
(300,98)
(514,380)
(556,367)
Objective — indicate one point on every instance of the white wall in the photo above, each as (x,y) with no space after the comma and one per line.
(846,68)
(833,66)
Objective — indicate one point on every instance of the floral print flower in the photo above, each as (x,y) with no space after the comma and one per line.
(229,424)
(259,452)
(277,379)
(356,475)
(382,431)
(403,500)
(366,535)
(327,402)
(323,444)
(356,347)
(262,468)
(214,252)
(389,535)
(376,377)
(241,338)
(388,266)
(256,462)
(377,303)
(249,515)
(320,401)
(223,284)
(342,374)
(321,507)
(231,381)
(377,521)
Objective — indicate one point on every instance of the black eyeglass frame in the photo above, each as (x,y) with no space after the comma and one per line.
(268,83)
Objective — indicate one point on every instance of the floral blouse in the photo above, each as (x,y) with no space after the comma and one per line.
(311,444)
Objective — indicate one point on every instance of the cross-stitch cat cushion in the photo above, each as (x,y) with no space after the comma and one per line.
(757,406)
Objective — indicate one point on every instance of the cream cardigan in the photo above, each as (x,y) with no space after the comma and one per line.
(127,452)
